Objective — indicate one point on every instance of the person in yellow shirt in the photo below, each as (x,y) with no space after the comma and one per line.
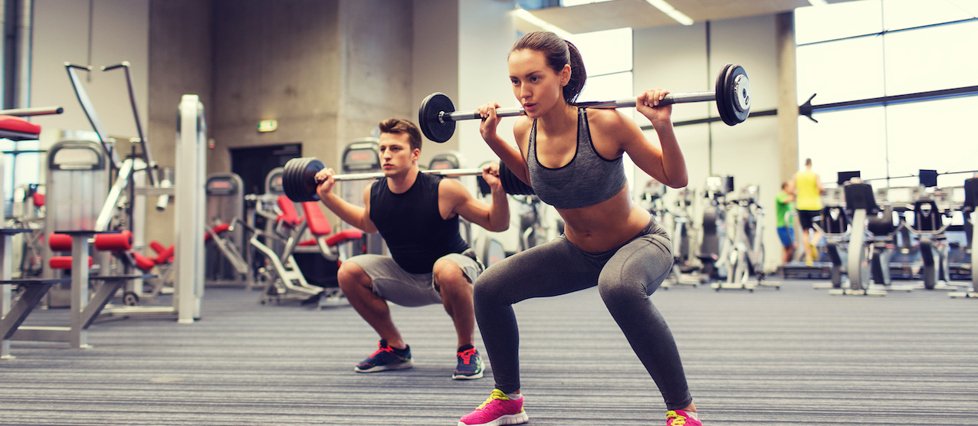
(807,187)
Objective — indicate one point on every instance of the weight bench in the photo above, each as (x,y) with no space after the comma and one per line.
(84,309)
(322,232)
(13,314)
(17,129)
(289,282)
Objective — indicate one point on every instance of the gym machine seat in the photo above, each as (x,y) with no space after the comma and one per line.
(18,129)
(320,228)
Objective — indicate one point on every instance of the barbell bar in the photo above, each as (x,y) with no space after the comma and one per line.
(299,178)
(437,115)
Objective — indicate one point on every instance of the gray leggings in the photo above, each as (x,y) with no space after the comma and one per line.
(625,278)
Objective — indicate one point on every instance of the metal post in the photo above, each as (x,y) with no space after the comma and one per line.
(189,207)
(857,253)
(5,264)
(77,336)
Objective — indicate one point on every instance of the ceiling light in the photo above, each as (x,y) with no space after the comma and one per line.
(818,2)
(529,17)
(671,11)
(571,3)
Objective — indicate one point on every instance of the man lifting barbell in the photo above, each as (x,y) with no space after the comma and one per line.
(572,156)
(417,214)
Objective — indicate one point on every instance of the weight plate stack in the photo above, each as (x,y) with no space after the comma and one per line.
(287,178)
(299,179)
(432,126)
(733,97)
(723,100)
(738,86)
(512,184)
(308,178)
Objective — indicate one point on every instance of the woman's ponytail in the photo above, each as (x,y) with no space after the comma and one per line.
(578,74)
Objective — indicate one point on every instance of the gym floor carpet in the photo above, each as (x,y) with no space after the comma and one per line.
(793,356)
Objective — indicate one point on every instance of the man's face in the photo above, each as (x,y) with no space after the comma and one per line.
(396,155)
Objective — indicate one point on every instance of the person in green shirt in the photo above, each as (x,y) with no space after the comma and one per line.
(785,215)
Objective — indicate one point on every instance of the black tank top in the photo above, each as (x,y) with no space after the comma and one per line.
(412,226)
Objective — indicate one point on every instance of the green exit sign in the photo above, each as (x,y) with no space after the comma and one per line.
(267,125)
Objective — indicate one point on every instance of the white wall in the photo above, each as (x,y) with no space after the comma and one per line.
(676,58)
(483,71)
(486,33)
(436,60)
(119,32)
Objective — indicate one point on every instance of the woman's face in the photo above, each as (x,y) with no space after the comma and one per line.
(535,84)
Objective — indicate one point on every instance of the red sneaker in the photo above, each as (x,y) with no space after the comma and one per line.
(498,410)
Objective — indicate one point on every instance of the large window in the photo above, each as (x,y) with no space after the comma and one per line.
(607,58)
(861,50)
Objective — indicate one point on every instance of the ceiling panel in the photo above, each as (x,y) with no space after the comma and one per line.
(640,14)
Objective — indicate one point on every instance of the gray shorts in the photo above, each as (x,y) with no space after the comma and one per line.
(404,288)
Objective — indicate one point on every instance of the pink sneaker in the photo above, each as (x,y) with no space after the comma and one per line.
(498,410)
(680,418)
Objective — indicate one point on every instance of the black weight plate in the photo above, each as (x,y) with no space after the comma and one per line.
(296,181)
(504,174)
(293,174)
(512,184)
(722,100)
(308,181)
(433,128)
(524,188)
(288,182)
(740,97)
(295,177)
(728,97)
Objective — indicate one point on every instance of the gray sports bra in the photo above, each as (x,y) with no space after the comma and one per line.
(586,180)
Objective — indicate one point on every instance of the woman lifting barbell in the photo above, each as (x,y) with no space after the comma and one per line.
(572,157)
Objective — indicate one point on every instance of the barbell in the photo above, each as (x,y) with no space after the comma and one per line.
(437,115)
(299,178)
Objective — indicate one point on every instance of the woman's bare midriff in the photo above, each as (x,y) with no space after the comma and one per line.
(606,225)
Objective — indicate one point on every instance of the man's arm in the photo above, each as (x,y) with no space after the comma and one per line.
(493,217)
(354,215)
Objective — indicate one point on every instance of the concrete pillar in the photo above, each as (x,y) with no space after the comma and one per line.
(180,62)
(787,96)
(375,67)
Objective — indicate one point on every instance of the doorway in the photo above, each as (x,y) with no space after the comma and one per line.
(252,164)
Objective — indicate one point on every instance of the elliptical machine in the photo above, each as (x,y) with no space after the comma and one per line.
(747,244)
(929,228)
(685,270)
(713,228)
(970,210)
(860,202)
(882,239)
